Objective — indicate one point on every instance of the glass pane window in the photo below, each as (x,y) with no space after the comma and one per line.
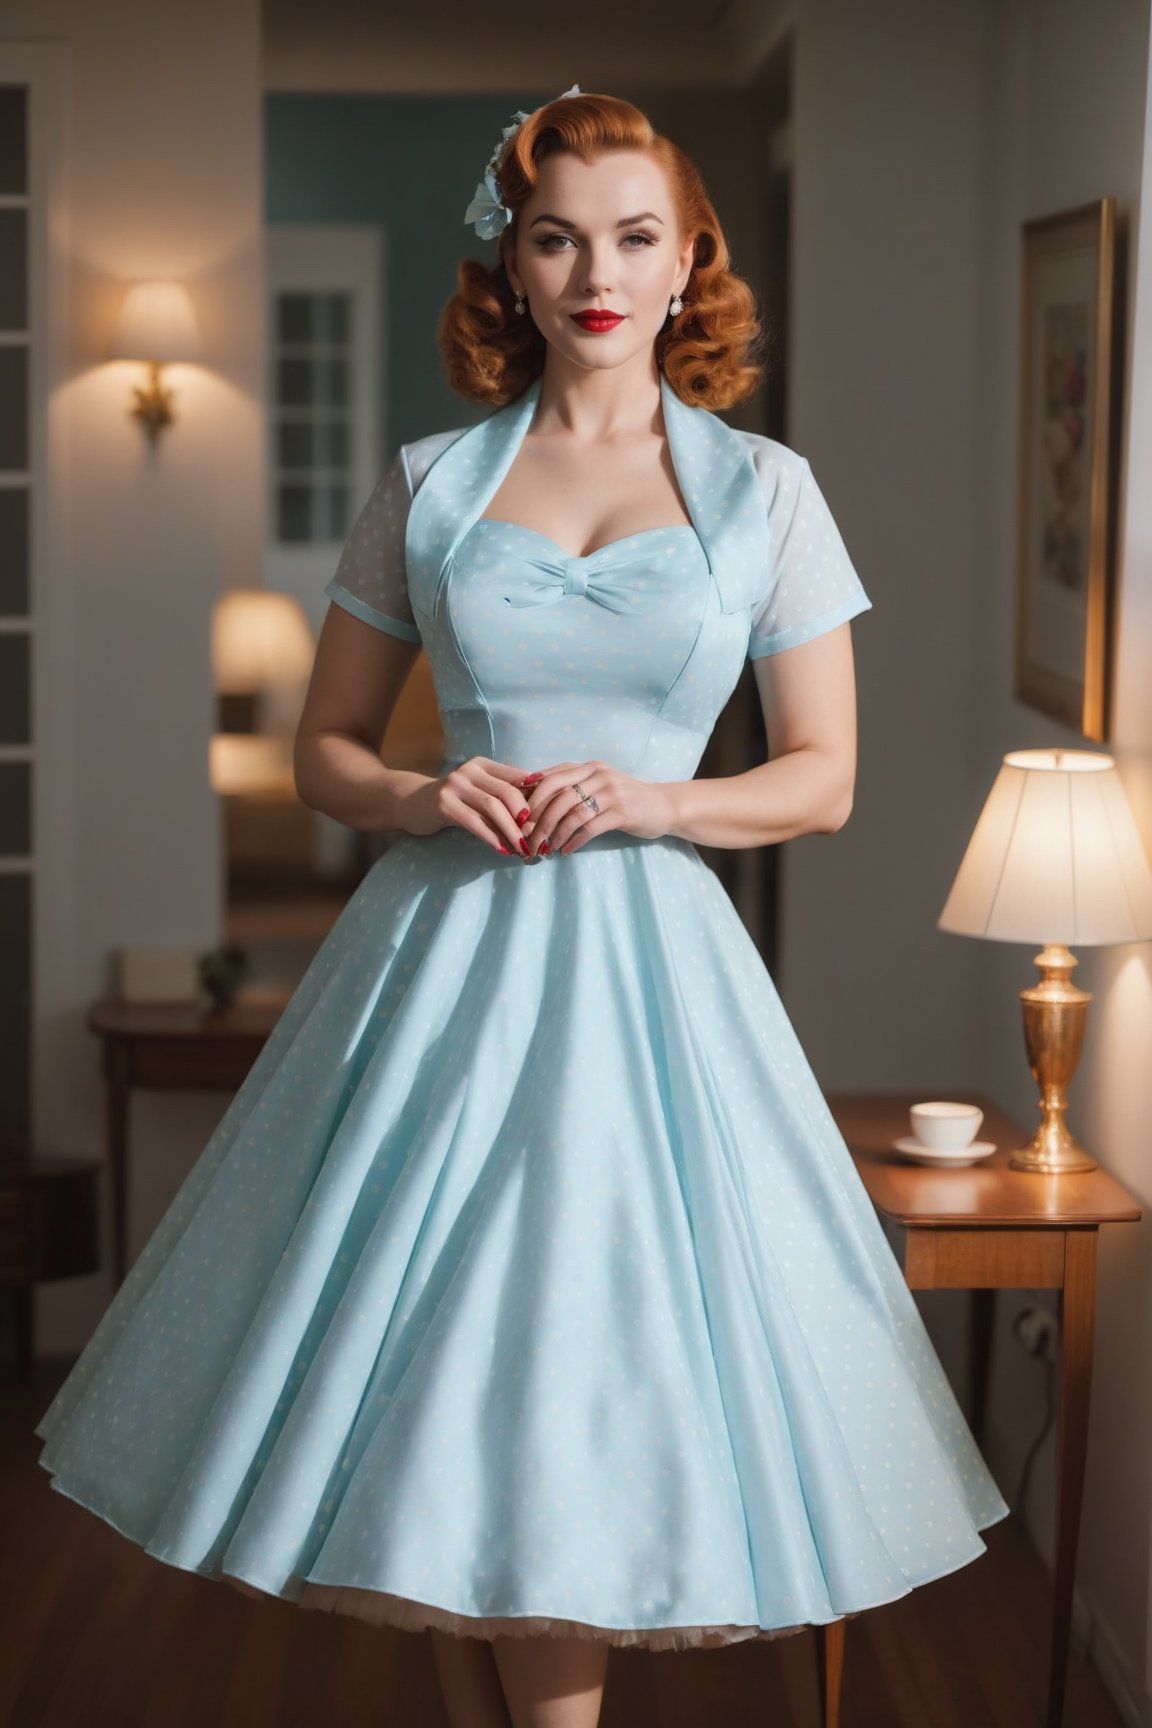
(305,514)
(15,687)
(13,139)
(13,269)
(312,318)
(312,440)
(15,1008)
(14,587)
(17,1002)
(312,383)
(15,809)
(13,408)
(313,444)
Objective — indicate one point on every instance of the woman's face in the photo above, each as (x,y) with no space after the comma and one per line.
(599,236)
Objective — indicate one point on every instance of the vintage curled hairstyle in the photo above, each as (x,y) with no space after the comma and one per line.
(708,353)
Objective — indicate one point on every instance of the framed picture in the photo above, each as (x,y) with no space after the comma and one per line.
(1065,511)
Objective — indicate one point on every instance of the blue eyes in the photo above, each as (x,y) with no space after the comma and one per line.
(545,244)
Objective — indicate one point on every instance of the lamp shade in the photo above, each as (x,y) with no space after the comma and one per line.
(1055,857)
(157,323)
(261,640)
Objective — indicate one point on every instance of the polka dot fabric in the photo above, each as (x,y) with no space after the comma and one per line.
(809,584)
(526,1284)
(814,585)
(370,580)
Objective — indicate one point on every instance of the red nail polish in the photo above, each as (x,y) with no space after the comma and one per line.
(507,850)
(524,815)
(530,779)
(544,846)
(524,846)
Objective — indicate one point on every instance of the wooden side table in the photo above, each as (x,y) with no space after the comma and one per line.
(155,1047)
(983,1228)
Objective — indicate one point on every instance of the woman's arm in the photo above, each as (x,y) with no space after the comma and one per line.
(808,695)
(357,678)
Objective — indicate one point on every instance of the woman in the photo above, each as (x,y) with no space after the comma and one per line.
(527,1292)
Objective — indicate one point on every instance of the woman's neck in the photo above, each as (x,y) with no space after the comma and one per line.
(595,404)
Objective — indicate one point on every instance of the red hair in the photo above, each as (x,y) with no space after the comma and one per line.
(708,352)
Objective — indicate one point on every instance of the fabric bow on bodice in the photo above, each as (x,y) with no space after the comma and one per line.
(612,576)
(717,479)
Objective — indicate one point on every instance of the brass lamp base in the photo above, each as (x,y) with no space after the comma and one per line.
(1055,1017)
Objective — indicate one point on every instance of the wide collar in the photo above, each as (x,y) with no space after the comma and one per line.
(713,468)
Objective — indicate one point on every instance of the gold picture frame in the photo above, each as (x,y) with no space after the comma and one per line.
(1065,512)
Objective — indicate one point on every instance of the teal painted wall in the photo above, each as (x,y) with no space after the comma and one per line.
(410,164)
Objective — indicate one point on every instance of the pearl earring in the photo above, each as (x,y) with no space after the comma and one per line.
(676,306)
(521,305)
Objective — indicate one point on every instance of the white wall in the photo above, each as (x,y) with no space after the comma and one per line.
(887,112)
(1067,125)
(923,136)
(162,153)
(883,401)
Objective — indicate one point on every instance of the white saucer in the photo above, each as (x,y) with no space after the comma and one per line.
(921,1154)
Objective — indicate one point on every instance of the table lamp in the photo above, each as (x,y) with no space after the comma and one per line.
(261,641)
(262,653)
(1055,858)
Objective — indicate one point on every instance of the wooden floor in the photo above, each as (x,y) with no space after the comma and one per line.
(94,1633)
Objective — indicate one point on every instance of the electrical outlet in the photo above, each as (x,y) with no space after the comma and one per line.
(1036,1331)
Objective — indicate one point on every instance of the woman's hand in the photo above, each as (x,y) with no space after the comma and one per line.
(483,796)
(560,821)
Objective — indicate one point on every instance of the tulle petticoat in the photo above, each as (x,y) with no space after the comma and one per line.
(380,1608)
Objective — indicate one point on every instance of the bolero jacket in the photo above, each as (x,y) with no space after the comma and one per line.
(773,548)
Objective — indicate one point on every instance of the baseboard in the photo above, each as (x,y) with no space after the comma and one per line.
(1090,1635)
(1122,1686)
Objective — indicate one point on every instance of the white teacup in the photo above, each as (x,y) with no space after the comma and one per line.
(945,1127)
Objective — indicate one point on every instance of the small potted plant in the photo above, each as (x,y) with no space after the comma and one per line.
(222,971)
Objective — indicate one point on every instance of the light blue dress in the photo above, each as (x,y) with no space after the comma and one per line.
(527,1283)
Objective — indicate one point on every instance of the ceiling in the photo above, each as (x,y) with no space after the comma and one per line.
(459,46)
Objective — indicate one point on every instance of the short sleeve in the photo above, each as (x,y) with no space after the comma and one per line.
(371,578)
(814,586)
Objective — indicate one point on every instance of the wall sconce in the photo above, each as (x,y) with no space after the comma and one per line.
(157,325)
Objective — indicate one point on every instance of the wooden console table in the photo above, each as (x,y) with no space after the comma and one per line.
(985,1227)
(155,1047)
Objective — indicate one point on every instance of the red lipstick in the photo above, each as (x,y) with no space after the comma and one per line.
(597,320)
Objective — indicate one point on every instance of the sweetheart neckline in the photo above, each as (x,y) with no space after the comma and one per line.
(583,557)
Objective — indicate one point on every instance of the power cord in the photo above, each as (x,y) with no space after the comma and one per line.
(1036,1350)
